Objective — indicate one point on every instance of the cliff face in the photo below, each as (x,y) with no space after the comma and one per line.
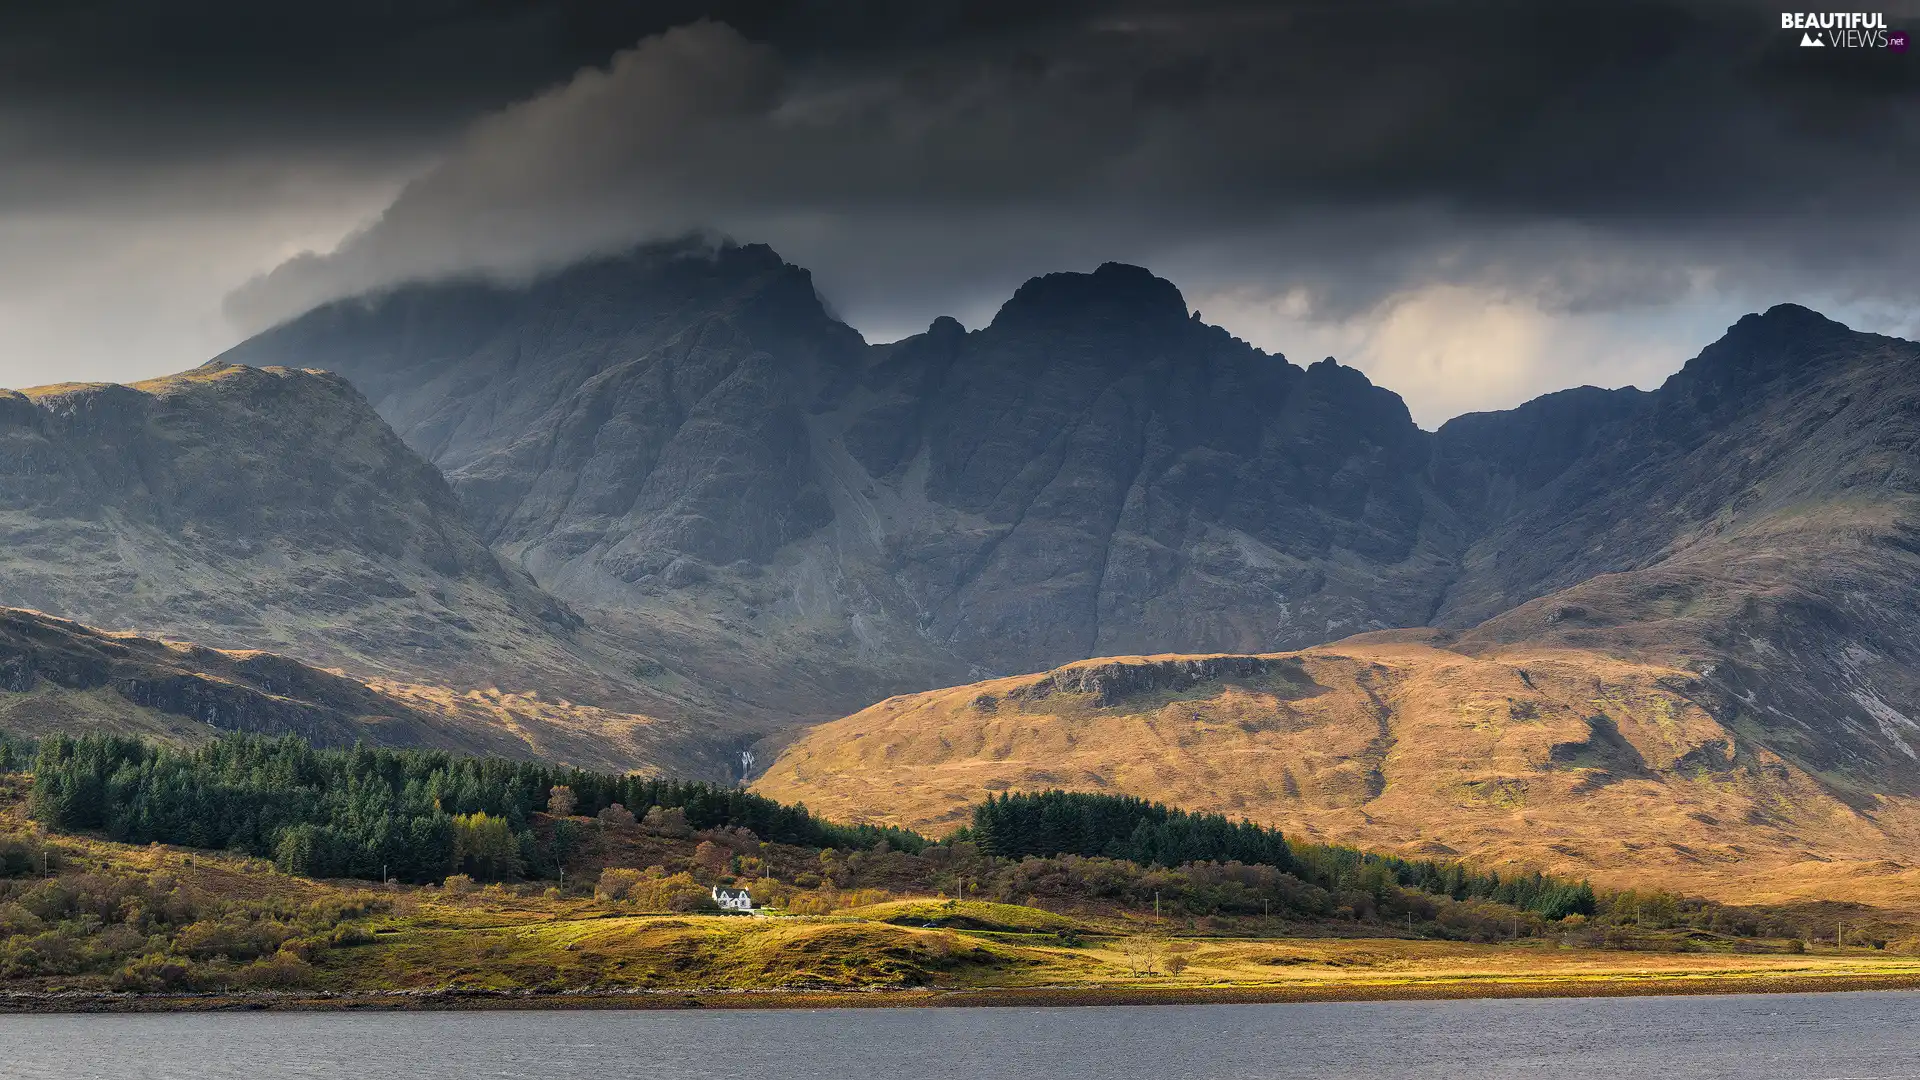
(1098,472)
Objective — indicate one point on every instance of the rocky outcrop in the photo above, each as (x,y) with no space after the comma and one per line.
(1110,683)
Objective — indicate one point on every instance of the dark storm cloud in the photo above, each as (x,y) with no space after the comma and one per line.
(922,157)
(1380,143)
(1583,108)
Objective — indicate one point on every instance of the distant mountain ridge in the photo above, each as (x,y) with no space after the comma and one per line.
(684,445)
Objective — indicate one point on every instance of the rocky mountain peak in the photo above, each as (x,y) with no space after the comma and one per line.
(1115,294)
(1786,340)
(946,327)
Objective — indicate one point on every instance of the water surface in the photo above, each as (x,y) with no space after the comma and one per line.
(1860,1036)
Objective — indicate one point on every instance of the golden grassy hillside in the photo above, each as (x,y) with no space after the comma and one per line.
(1562,760)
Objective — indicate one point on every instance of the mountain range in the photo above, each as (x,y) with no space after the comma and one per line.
(667,507)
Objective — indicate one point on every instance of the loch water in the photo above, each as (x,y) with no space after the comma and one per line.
(1851,1036)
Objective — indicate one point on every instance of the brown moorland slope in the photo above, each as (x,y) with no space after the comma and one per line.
(1558,759)
(61,676)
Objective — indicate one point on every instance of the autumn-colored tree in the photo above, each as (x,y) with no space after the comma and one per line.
(561,801)
(1145,952)
(616,814)
(712,858)
(616,883)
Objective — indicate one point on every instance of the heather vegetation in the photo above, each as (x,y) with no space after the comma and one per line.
(69,916)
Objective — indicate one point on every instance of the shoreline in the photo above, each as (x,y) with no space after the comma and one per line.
(73,1002)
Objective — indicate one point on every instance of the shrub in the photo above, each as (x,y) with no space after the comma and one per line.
(236,940)
(21,856)
(655,890)
(711,858)
(616,883)
(153,973)
(282,970)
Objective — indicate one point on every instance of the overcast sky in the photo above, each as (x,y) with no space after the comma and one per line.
(1473,202)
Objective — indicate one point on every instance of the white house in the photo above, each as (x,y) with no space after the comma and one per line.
(732,899)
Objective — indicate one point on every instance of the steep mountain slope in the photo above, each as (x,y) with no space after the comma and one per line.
(247,507)
(683,445)
(251,508)
(1757,519)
